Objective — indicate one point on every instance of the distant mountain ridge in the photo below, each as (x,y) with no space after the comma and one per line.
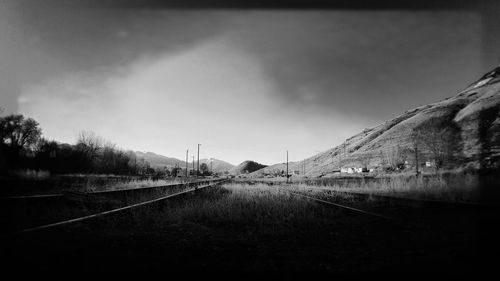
(160,161)
(216,165)
(473,115)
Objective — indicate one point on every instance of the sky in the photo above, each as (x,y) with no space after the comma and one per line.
(246,84)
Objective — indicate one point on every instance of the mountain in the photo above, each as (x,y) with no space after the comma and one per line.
(246,167)
(216,165)
(159,161)
(459,131)
(276,169)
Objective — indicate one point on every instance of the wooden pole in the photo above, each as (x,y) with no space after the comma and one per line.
(198,162)
(287,166)
(416,159)
(187,151)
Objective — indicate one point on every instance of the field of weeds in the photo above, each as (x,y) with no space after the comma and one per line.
(21,213)
(456,189)
(83,183)
(249,228)
(459,187)
(258,208)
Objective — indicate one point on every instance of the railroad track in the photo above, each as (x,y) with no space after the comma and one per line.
(36,196)
(194,186)
(122,194)
(109,194)
(352,209)
(395,219)
(417,202)
(388,200)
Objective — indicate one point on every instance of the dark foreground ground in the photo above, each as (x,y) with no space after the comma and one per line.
(221,230)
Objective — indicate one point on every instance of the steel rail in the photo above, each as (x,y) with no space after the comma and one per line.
(111,211)
(340,206)
(404,199)
(32,196)
(150,187)
(423,201)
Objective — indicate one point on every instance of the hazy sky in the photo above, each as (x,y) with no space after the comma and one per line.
(246,84)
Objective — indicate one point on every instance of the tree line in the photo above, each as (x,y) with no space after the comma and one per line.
(23,147)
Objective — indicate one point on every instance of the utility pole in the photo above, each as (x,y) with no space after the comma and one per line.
(211,165)
(187,151)
(287,166)
(342,152)
(416,159)
(198,162)
(340,159)
(193,163)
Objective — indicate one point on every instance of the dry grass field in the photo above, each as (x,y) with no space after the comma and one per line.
(451,187)
(257,228)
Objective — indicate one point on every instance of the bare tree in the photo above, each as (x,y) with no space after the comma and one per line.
(439,140)
(396,156)
(383,161)
(365,161)
(132,160)
(89,143)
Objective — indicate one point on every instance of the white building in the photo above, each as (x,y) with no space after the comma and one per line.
(347,170)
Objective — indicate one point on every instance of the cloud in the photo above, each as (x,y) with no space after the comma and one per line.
(358,62)
(253,86)
(213,93)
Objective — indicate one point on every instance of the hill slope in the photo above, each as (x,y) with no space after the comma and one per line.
(470,121)
(159,161)
(218,166)
(246,166)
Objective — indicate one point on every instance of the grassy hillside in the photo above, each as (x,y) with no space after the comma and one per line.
(461,131)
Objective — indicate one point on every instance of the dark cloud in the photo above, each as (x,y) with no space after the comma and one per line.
(42,40)
(89,38)
(360,62)
(321,67)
